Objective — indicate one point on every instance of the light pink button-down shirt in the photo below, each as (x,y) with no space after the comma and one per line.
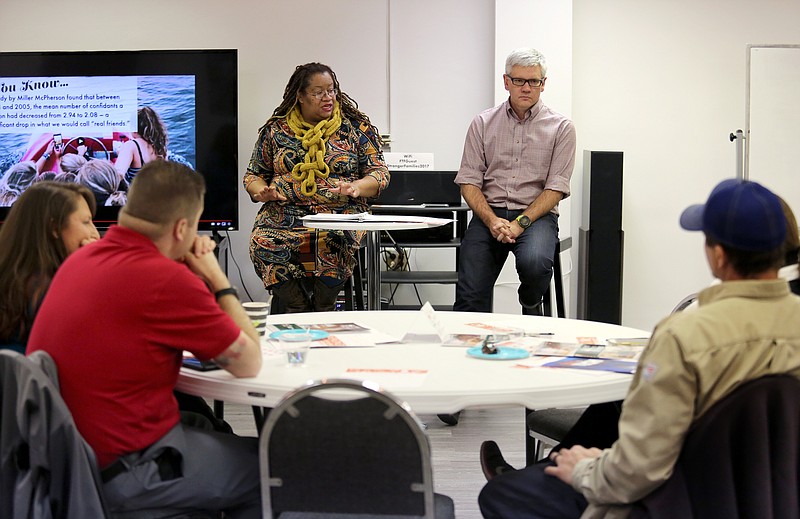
(512,161)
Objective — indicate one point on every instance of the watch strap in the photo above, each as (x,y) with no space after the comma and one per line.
(226,291)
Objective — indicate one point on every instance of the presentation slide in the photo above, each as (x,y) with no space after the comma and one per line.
(88,115)
(86,105)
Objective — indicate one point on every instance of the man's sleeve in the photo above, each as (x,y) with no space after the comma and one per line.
(473,160)
(563,161)
(656,416)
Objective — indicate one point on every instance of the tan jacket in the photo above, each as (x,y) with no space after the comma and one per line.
(743,330)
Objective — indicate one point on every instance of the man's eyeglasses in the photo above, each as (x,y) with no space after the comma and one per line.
(331,92)
(518,81)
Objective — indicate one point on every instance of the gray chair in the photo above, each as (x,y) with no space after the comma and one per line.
(343,449)
(685,303)
(546,428)
(48,469)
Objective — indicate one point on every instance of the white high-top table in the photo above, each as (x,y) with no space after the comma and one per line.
(373,228)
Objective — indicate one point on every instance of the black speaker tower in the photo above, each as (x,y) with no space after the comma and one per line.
(600,238)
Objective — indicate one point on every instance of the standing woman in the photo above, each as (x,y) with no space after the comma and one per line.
(148,143)
(318,153)
(47,223)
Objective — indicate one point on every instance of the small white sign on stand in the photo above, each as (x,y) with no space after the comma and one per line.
(397,161)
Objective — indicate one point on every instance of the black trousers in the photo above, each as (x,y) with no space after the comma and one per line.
(530,494)
(597,427)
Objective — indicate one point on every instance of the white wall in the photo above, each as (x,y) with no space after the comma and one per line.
(440,61)
(661,81)
(441,76)
(664,82)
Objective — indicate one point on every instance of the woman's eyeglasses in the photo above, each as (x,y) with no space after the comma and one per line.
(331,92)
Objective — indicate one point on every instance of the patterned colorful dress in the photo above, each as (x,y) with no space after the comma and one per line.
(280,247)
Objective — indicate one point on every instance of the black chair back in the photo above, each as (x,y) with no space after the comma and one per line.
(341,447)
(740,460)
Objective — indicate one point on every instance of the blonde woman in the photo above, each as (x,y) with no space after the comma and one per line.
(101,177)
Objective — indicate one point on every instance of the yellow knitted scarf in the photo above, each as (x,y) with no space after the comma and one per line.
(313,139)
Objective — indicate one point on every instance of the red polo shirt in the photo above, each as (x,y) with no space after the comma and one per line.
(115,320)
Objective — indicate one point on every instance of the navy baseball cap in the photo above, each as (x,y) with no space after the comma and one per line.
(741,214)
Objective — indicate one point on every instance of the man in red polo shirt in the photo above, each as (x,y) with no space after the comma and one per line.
(116,320)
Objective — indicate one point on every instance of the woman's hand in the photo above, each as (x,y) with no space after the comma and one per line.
(268,193)
(350,189)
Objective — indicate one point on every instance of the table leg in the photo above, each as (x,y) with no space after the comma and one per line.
(373,270)
(530,442)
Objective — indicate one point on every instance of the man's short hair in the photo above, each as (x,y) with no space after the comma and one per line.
(748,263)
(164,191)
(526,57)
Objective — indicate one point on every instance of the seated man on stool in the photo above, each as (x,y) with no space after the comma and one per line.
(746,327)
(116,320)
(516,167)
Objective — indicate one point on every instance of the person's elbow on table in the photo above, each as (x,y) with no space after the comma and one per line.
(242,358)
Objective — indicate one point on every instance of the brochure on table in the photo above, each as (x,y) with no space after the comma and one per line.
(341,335)
(376,218)
(588,353)
(617,366)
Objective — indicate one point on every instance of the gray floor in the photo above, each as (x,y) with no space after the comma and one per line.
(457,472)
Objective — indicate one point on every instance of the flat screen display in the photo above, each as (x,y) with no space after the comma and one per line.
(86,104)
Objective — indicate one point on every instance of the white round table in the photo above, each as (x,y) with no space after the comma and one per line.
(431,378)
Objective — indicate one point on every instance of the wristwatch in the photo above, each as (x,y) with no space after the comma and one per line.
(523,221)
(225,292)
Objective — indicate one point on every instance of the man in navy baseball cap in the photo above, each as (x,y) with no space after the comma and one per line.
(739,214)
(745,328)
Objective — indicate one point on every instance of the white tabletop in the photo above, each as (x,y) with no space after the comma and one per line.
(430,377)
(373,222)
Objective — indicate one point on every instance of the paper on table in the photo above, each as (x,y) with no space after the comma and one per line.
(468,340)
(326,327)
(367,217)
(340,327)
(388,377)
(354,339)
(616,366)
(428,311)
(592,351)
(337,217)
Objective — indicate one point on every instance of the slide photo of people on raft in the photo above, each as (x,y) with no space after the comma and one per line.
(98,131)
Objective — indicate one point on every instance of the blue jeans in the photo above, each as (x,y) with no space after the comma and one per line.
(482,257)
